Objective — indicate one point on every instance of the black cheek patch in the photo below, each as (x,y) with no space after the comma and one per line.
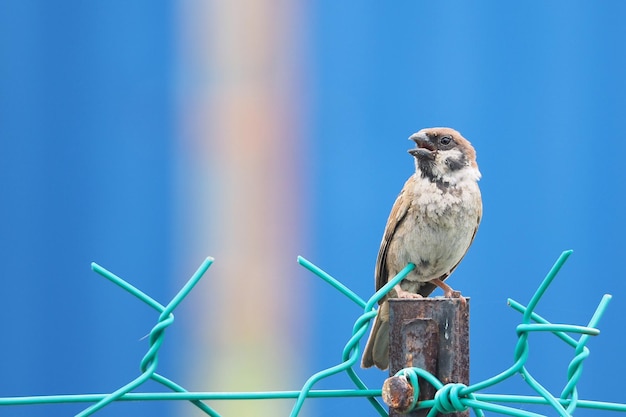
(455,163)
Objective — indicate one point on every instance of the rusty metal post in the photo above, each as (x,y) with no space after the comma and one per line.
(429,333)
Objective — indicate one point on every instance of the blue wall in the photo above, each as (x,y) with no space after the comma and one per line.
(86,141)
(85,137)
(539,89)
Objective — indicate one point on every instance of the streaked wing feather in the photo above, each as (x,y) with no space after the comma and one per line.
(396,217)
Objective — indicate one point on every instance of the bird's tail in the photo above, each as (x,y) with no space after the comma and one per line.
(377,347)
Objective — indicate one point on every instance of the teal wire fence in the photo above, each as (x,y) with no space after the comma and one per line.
(449,398)
(459,397)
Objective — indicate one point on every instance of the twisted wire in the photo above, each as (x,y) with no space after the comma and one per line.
(453,397)
(351,350)
(150,360)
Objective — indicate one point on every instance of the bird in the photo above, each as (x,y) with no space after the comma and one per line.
(432,224)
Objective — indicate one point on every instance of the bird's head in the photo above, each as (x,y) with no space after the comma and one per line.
(444,155)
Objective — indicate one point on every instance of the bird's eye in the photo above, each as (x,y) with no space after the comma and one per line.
(445,140)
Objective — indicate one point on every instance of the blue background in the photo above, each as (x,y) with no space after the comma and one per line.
(87,133)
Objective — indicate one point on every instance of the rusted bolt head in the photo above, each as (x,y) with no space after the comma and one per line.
(398,393)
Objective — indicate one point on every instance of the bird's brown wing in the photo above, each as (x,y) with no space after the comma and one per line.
(396,217)
(427,287)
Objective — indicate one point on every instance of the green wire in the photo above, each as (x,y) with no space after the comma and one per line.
(150,360)
(449,397)
(465,397)
(351,350)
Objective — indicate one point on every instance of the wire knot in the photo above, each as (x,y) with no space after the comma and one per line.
(449,398)
(401,392)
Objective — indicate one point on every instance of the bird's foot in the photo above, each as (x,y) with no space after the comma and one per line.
(448,292)
(400,293)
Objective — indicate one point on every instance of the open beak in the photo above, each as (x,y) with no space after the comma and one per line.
(425,148)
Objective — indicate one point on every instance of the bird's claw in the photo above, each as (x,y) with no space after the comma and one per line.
(455,294)
(400,293)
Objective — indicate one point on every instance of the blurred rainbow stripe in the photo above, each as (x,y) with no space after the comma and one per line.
(239,193)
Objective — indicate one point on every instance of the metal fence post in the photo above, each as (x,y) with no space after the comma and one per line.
(433,334)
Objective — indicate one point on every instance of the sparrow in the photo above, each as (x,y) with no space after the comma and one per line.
(432,225)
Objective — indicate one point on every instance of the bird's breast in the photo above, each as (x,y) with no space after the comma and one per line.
(437,230)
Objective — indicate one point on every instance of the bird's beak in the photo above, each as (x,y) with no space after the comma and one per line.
(425,148)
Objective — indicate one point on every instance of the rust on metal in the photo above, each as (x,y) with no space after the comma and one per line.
(398,393)
(432,334)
